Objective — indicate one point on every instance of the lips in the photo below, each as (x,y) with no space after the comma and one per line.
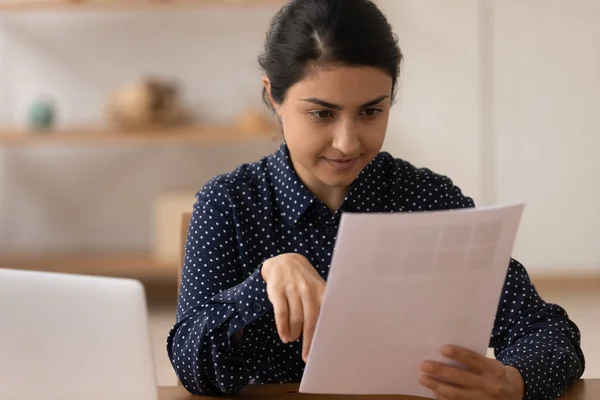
(342,164)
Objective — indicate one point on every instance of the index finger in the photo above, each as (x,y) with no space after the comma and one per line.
(312,308)
(281,311)
(467,357)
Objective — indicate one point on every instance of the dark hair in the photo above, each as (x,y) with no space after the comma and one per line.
(307,34)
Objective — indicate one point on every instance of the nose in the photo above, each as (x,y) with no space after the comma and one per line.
(346,138)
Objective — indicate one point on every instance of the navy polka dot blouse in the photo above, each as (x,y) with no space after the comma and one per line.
(261,210)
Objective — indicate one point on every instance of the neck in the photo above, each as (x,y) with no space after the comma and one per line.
(331,196)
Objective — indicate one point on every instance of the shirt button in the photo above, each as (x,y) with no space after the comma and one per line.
(330,230)
(257,307)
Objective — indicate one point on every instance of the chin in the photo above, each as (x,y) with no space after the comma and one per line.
(338,181)
(338,178)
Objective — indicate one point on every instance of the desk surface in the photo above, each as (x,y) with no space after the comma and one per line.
(586,389)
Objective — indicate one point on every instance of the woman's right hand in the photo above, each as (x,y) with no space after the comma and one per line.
(296,290)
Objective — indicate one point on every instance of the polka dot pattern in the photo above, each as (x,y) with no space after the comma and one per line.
(536,337)
(225,335)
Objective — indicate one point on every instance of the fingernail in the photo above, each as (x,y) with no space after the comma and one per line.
(425,381)
(447,351)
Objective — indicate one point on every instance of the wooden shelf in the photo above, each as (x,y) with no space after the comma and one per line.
(126,265)
(561,283)
(205,135)
(84,5)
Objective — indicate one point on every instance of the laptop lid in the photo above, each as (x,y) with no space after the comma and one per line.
(69,337)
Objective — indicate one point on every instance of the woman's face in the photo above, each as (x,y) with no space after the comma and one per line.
(334,123)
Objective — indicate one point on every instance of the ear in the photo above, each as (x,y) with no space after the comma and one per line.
(267,84)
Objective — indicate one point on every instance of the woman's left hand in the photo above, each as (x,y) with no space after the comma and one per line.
(483,379)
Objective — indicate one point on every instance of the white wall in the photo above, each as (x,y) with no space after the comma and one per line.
(547,127)
(504,97)
(436,122)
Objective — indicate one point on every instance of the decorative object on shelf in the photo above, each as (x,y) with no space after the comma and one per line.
(256,122)
(41,115)
(146,103)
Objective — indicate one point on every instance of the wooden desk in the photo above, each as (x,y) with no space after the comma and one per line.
(587,389)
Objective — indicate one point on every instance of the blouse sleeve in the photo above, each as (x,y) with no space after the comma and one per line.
(216,302)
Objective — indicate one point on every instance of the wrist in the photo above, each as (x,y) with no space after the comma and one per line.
(515,379)
(264,270)
(270,263)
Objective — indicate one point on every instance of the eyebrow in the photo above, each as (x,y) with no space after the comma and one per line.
(338,107)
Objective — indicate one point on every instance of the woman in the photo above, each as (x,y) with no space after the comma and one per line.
(261,237)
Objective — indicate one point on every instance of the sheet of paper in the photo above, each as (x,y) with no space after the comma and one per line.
(400,287)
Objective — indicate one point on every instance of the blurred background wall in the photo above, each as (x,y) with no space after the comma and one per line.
(502,96)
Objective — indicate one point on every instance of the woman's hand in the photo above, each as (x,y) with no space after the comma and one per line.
(295,289)
(484,378)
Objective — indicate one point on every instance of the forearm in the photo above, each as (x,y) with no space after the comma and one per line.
(220,303)
(212,362)
(215,339)
(547,361)
(536,337)
(199,357)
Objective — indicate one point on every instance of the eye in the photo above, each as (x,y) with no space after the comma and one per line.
(370,112)
(321,114)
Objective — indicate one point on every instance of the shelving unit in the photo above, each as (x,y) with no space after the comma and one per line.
(143,266)
(75,5)
(198,134)
(140,265)
(134,265)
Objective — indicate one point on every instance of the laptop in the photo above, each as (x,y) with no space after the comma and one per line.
(73,337)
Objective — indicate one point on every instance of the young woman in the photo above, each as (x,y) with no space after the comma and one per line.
(261,237)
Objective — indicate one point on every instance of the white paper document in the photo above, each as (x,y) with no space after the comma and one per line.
(400,287)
